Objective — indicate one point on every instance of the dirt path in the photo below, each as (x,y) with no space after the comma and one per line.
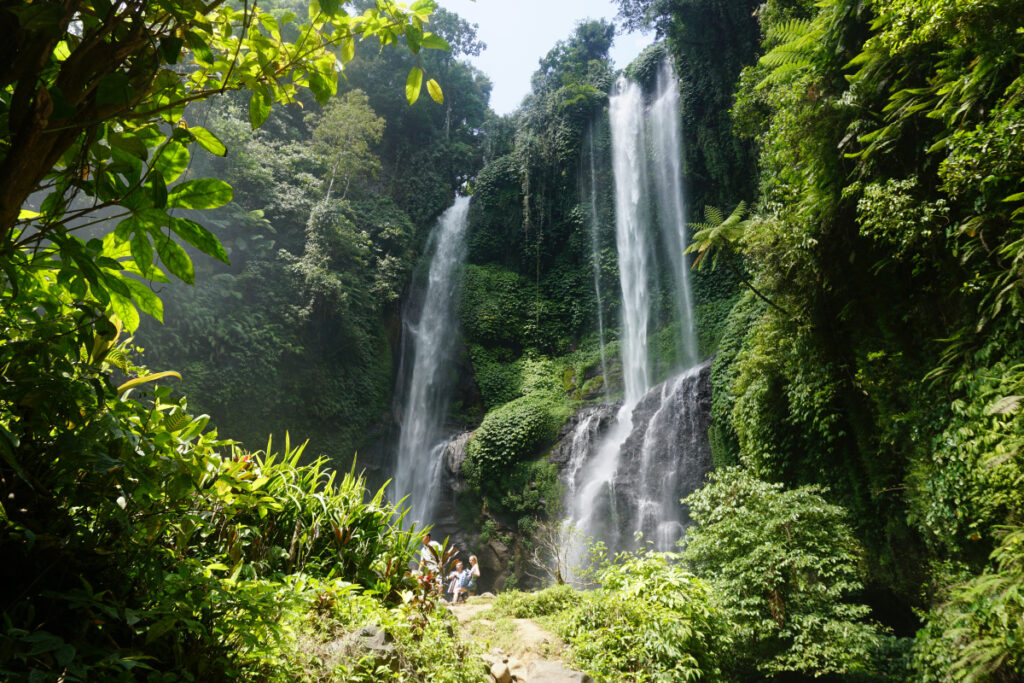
(529,651)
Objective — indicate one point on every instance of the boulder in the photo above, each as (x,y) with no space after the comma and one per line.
(541,671)
(500,673)
(367,641)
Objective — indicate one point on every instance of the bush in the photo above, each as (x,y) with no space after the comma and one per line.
(543,603)
(977,632)
(785,566)
(651,620)
(513,433)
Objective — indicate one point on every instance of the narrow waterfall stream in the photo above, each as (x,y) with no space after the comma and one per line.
(595,251)
(629,480)
(429,324)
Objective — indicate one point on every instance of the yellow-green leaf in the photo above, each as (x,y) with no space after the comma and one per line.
(435,91)
(414,84)
(138,381)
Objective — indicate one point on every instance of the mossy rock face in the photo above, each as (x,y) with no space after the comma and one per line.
(569,380)
(515,432)
(592,389)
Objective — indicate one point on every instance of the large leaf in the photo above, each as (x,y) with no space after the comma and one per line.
(145,298)
(413,85)
(209,141)
(173,161)
(202,193)
(259,109)
(435,91)
(200,238)
(176,259)
(138,381)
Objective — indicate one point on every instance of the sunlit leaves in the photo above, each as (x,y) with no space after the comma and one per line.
(435,91)
(208,140)
(176,259)
(203,193)
(199,237)
(413,85)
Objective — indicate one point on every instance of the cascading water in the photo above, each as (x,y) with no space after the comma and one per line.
(591,504)
(432,335)
(630,480)
(595,231)
(666,150)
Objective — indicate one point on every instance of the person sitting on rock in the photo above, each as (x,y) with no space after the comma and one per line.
(455,580)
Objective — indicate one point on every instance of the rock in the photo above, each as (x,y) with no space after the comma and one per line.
(500,673)
(541,671)
(369,640)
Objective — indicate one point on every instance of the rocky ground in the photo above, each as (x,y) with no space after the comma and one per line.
(519,650)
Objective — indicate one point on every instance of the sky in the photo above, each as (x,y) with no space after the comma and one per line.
(519,32)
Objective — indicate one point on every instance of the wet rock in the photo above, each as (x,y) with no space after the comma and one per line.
(369,640)
(541,671)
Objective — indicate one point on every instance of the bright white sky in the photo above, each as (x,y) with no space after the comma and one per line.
(519,32)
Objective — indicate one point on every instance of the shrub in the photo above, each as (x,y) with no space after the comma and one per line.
(543,603)
(651,620)
(977,633)
(784,565)
(514,432)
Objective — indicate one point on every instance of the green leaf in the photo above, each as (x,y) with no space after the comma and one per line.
(114,89)
(413,36)
(199,48)
(202,193)
(208,141)
(158,190)
(176,259)
(413,84)
(435,91)
(132,383)
(142,250)
(348,50)
(199,237)
(130,143)
(432,41)
(172,162)
(144,297)
(124,309)
(259,109)
(170,48)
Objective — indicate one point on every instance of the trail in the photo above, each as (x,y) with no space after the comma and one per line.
(519,650)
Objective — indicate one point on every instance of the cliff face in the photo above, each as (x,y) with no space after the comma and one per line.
(665,458)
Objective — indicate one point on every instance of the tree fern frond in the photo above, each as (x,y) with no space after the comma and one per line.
(713,215)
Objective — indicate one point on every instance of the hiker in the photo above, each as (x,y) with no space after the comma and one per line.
(474,576)
(455,581)
(430,556)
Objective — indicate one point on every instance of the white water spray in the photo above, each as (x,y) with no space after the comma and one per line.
(618,489)
(427,396)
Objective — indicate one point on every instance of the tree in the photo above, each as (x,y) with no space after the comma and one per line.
(785,565)
(722,235)
(343,139)
(92,113)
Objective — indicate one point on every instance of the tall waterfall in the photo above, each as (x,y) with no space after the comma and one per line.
(630,480)
(666,149)
(595,251)
(430,326)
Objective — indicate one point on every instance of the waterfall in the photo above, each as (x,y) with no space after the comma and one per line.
(595,231)
(666,150)
(430,326)
(655,451)
(632,219)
